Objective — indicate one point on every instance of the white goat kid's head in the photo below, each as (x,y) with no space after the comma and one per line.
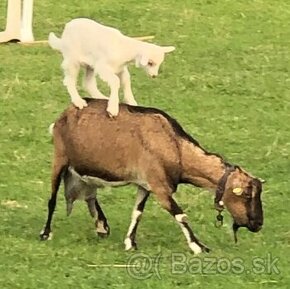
(151,58)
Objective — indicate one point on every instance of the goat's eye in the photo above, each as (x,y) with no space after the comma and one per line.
(248,193)
(150,63)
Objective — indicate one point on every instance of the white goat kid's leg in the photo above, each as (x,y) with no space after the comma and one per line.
(71,71)
(130,241)
(90,84)
(126,83)
(107,75)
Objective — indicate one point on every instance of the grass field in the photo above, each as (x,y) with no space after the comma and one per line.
(227,83)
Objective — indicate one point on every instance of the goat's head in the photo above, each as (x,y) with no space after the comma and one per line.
(151,58)
(240,193)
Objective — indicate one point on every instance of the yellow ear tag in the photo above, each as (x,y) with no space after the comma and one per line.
(238,191)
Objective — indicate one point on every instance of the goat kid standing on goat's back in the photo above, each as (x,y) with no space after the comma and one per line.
(148,148)
(106,52)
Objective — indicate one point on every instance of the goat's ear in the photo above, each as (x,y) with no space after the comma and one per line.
(167,49)
(141,60)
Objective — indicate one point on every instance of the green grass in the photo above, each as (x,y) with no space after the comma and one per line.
(227,83)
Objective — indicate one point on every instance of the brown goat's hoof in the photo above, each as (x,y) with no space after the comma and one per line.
(44,236)
(103,235)
(198,248)
(205,249)
(103,229)
(130,244)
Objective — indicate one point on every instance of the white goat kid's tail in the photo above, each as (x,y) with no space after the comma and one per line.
(50,129)
(54,42)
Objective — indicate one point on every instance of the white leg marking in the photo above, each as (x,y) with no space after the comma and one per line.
(192,245)
(134,219)
(181,218)
(195,248)
(128,244)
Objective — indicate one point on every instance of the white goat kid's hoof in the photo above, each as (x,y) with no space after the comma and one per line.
(132,102)
(80,103)
(100,96)
(112,108)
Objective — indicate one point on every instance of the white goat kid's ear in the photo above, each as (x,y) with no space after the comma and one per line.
(144,60)
(141,60)
(137,62)
(167,49)
(238,191)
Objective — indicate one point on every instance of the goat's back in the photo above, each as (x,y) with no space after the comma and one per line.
(87,41)
(121,148)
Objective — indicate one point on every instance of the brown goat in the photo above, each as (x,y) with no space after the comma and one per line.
(145,147)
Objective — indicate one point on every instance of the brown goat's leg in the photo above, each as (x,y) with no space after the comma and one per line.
(142,197)
(46,234)
(168,203)
(102,226)
(92,207)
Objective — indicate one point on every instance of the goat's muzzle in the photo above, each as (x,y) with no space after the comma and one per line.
(252,226)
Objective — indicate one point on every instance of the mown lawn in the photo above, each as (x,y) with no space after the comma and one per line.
(227,83)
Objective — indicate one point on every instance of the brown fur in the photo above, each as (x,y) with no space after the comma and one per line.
(147,147)
(141,147)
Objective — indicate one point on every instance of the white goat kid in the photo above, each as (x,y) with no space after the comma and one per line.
(104,51)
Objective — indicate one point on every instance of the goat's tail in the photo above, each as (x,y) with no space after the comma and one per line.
(54,42)
(50,129)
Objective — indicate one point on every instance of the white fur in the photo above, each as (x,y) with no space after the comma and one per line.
(50,128)
(128,244)
(134,219)
(195,248)
(192,245)
(104,51)
(181,218)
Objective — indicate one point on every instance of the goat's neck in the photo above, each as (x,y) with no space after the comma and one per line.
(133,48)
(199,167)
